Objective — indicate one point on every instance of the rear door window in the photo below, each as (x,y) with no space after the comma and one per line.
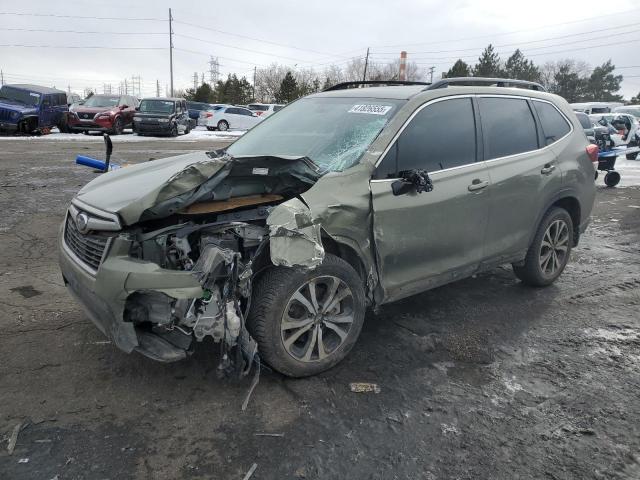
(440,136)
(553,124)
(508,127)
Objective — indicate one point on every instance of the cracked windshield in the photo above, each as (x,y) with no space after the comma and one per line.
(332,132)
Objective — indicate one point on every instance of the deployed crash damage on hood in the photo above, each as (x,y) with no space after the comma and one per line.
(211,220)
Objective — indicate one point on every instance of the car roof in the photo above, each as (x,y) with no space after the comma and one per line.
(35,88)
(167,99)
(405,92)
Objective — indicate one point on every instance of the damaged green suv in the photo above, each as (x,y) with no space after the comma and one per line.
(346,199)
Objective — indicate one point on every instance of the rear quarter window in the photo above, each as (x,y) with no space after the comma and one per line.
(508,127)
(553,124)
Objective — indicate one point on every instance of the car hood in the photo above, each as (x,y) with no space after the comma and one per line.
(153,115)
(164,187)
(16,106)
(93,110)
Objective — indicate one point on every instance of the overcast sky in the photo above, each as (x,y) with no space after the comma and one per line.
(246,33)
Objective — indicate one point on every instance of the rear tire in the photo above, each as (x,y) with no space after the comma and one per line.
(611,179)
(550,250)
(223,126)
(294,310)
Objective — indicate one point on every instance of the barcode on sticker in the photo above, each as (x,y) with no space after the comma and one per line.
(371,109)
(260,171)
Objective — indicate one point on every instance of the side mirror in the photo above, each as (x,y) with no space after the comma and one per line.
(122,107)
(401,187)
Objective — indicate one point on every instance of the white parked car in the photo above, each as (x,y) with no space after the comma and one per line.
(264,109)
(232,118)
(624,127)
(209,111)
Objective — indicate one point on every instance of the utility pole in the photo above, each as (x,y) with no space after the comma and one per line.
(255,69)
(402,74)
(157,88)
(431,69)
(195,81)
(366,64)
(1,77)
(126,87)
(171,50)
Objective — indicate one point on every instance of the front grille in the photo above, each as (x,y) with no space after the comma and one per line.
(5,114)
(89,248)
(86,116)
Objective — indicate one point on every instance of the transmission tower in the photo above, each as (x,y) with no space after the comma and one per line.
(214,70)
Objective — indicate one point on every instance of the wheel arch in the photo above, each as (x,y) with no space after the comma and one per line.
(569,202)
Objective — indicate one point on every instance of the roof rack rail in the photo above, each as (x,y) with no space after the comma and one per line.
(489,82)
(345,85)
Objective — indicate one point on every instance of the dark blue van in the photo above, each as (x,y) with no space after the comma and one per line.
(30,108)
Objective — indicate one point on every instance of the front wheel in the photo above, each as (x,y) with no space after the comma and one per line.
(118,127)
(174,130)
(549,252)
(306,321)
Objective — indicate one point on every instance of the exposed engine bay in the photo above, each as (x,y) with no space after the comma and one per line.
(224,241)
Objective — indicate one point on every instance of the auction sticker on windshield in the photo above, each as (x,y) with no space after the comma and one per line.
(370,109)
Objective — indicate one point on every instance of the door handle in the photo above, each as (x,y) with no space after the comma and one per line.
(547,169)
(477,184)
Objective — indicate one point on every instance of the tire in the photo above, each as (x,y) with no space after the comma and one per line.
(535,272)
(273,296)
(611,179)
(118,127)
(632,156)
(223,126)
(211,129)
(174,130)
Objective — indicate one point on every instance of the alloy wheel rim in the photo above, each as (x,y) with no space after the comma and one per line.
(317,319)
(554,248)
(223,126)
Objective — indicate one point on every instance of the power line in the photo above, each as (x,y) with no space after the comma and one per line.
(256,39)
(78,31)
(20,14)
(618,27)
(241,48)
(599,17)
(97,47)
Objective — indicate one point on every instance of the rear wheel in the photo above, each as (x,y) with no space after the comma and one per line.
(549,252)
(223,126)
(611,179)
(306,321)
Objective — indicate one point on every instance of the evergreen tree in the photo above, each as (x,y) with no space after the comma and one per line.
(602,85)
(459,69)
(288,89)
(488,64)
(204,93)
(518,67)
(568,84)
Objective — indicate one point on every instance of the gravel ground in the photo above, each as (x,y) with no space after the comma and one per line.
(483,378)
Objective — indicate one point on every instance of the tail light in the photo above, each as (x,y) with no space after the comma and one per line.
(258,113)
(208,115)
(592,151)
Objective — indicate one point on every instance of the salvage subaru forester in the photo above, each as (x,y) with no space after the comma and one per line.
(346,199)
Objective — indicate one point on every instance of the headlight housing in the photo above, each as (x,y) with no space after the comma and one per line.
(163,120)
(14,115)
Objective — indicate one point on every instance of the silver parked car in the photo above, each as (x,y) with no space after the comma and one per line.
(347,199)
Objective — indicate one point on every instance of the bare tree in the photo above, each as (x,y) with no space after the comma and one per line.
(268,81)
